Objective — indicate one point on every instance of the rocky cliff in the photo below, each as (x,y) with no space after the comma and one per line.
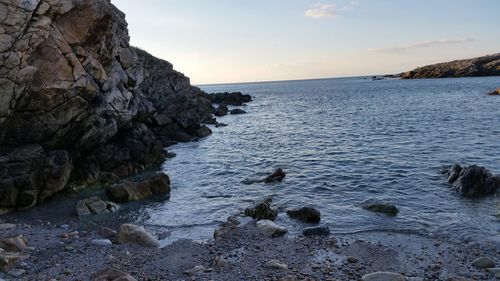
(78,104)
(481,66)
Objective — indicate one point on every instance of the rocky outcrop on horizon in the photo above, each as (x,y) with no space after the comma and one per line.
(475,67)
(79,105)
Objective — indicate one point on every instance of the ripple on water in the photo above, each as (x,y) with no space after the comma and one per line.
(342,141)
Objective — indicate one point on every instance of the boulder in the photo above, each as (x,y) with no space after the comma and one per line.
(134,190)
(14,244)
(270,229)
(262,211)
(471,181)
(383,276)
(133,234)
(277,176)
(221,110)
(235,98)
(110,274)
(237,111)
(321,230)
(380,206)
(94,205)
(305,214)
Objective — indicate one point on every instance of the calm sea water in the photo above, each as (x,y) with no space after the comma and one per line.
(342,141)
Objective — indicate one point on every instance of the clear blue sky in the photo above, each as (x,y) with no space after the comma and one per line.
(241,40)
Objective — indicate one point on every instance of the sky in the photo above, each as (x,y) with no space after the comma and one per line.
(228,41)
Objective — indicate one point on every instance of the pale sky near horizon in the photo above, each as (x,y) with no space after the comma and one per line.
(221,41)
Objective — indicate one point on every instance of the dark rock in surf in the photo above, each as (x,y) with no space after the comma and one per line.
(305,214)
(380,206)
(321,230)
(472,181)
(221,110)
(237,111)
(495,93)
(262,211)
(235,98)
(276,176)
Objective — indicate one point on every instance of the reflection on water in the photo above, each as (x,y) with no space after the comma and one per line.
(342,141)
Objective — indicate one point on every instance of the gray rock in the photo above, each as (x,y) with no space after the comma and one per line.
(380,206)
(101,242)
(195,270)
(94,205)
(471,181)
(494,271)
(321,230)
(270,229)
(137,190)
(483,262)
(276,264)
(383,276)
(237,111)
(262,211)
(305,214)
(133,234)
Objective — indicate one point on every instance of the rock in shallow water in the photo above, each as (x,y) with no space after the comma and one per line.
(305,214)
(383,276)
(471,181)
(380,206)
(94,205)
(321,230)
(262,211)
(237,111)
(133,234)
(138,190)
(276,176)
(270,229)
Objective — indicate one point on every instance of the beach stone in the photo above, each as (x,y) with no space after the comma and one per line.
(276,264)
(8,260)
(101,242)
(380,206)
(14,244)
(137,190)
(270,229)
(16,272)
(94,205)
(321,230)
(110,274)
(383,276)
(277,176)
(5,226)
(471,181)
(494,271)
(108,233)
(483,262)
(305,214)
(262,211)
(352,259)
(195,270)
(133,234)
(237,111)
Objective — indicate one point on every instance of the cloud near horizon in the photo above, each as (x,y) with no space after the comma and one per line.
(330,10)
(424,44)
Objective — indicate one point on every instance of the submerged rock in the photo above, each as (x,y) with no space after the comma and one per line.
(380,206)
(270,229)
(471,181)
(321,230)
(133,234)
(138,190)
(276,176)
(237,111)
(383,276)
(110,274)
(262,211)
(305,214)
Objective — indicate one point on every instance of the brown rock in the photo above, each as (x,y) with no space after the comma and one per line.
(133,234)
(14,244)
(138,190)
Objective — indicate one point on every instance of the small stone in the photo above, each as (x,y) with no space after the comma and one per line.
(17,272)
(383,276)
(108,233)
(112,274)
(352,259)
(14,244)
(494,271)
(321,230)
(101,242)
(276,264)
(5,226)
(483,262)
(270,229)
(195,270)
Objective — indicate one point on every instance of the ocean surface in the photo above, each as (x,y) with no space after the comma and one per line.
(342,141)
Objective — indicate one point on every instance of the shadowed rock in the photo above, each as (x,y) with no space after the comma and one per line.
(138,190)
(277,175)
(305,214)
(380,206)
(235,98)
(133,234)
(471,181)
(262,211)
(237,111)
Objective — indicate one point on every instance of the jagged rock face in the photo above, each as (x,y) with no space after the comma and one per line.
(482,66)
(69,77)
(70,90)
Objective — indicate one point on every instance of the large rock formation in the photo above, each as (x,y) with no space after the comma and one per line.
(481,66)
(81,101)
(472,181)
